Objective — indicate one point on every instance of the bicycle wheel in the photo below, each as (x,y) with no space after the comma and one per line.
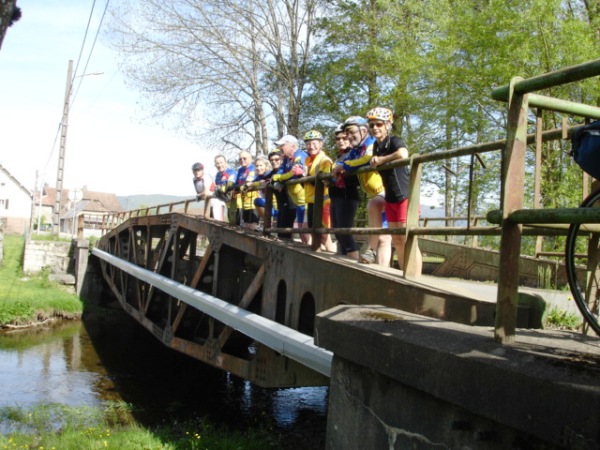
(582,265)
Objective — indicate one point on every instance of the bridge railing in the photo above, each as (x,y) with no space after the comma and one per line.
(510,221)
(520,97)
(112,219)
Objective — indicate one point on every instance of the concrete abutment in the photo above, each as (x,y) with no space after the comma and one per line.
(401,380)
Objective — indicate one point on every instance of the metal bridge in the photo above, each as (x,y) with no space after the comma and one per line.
(246,302)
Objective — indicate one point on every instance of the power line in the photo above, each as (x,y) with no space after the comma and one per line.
(91,50)
(58,131)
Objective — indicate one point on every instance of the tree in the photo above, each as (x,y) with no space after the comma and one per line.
(235,70)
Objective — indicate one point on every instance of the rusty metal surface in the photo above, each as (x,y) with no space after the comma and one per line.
(286,283)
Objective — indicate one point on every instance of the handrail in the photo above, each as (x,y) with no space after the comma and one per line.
(441,155)
(510,221)
(551,79)
(511,215)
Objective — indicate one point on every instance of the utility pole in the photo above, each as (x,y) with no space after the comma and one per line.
(61,156)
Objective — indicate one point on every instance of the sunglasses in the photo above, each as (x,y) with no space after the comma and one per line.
(275,159)
(377,124)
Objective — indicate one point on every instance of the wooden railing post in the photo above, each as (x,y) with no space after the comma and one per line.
(411,266)
(317,218)
(513,182)
(268,216)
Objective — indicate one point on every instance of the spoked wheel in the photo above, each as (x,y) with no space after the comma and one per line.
(582,265)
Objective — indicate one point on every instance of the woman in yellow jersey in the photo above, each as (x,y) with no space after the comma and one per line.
(317,162)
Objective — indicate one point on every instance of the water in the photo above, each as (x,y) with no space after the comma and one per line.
(112,358)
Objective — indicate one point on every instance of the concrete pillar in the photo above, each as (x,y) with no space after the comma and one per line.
(82,251)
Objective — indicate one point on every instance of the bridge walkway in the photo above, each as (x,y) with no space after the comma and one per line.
(182,277)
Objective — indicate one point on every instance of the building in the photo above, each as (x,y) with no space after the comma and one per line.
(77,205)
(15,203)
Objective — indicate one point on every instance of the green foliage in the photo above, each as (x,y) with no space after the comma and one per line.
(29,297)
(49,237)
(435,63)
(58,426)
(558,318)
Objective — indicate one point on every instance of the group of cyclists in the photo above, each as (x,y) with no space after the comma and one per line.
(237,196)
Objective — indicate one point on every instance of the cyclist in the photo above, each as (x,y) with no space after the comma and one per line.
(378,247)
(224,175)
(292,166)
(318,162)
(344,196)
(387,149)
(246,216)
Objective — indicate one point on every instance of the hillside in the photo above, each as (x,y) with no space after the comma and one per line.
(130,202)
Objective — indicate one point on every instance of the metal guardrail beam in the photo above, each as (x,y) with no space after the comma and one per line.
(568,75)
(280,338)
(548,216)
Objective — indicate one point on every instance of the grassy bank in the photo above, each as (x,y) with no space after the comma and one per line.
(74,428)
(30,298)
(26,299)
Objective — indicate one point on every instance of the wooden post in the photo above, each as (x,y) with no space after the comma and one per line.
(513,180)
(412,221)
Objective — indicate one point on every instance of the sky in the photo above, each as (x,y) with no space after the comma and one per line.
(110,146)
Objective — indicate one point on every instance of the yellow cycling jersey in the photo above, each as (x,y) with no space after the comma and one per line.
(321,164)
(245,200)
(371,182)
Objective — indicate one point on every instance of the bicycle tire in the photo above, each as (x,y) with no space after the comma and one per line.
(585,294)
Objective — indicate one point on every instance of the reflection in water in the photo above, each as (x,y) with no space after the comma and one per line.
(45,367)
(111,357)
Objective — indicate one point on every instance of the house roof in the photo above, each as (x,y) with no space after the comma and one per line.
(9,175)
(91,201)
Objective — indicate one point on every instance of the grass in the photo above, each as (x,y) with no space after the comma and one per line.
(27,298)
(563,320)
(55,426)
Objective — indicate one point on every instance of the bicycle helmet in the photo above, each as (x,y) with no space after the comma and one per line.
(383,114)
(313,135)
(355,120)
(274,153)
(197,166)
(339,129)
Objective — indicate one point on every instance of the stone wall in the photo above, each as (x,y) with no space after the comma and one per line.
(55,255)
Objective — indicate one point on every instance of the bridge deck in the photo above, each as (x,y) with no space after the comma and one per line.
(286,284)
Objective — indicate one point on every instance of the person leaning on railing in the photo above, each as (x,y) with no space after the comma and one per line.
(202,184)
(264,171)
(388,149)
(378,247)
(246,215)
(292,166)
(344,196)
(219,203)
(318,162)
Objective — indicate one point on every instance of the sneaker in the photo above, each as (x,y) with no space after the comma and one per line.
(367,256)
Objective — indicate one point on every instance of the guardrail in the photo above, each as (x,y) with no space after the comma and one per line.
(510,221)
